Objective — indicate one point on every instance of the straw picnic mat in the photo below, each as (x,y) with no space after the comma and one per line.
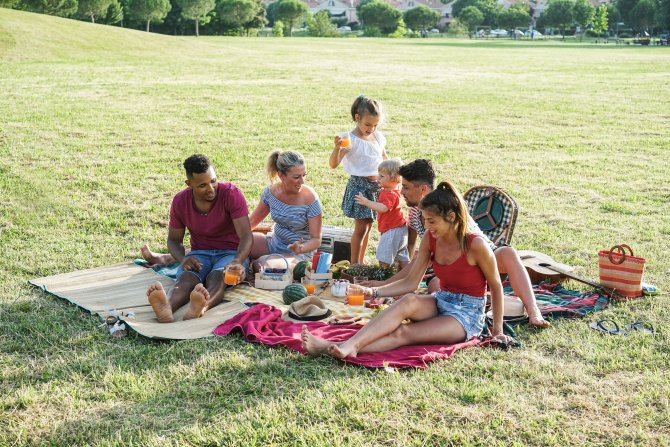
(122,288)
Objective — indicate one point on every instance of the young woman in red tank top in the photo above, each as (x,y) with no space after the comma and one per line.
(463,262)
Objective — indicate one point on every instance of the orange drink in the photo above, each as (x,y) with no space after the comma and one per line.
(232,274)
(345,141)
(230,278)
(355,295)
(309,285)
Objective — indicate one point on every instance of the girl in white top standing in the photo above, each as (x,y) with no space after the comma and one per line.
(360,152)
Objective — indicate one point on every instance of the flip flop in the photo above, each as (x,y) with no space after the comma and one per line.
(608,326)
(641,326)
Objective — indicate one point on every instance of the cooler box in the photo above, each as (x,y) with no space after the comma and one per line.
(336,240)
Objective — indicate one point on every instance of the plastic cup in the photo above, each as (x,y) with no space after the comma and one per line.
(355,295)
(231,275)
(309,285)
(345,141)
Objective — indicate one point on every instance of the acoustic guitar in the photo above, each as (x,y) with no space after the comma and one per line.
(543,266)
(538,266)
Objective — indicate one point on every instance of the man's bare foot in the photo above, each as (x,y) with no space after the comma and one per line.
(312,344)
(159,303)
(199,298)
(342,351)
(536,319)
(156,258)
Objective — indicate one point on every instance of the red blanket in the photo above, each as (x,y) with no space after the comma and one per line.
(263,324)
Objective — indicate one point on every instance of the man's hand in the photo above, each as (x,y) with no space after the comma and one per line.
(191,264)
(236,266)
(371,283)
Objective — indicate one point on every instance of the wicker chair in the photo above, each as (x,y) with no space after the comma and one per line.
(494,211)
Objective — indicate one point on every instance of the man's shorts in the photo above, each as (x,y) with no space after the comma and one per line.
(211,260)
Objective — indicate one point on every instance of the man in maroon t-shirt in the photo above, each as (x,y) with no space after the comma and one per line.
(217,218)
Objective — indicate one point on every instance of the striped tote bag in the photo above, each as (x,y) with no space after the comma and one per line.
(621,271)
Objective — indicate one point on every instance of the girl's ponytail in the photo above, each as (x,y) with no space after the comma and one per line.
(366,106)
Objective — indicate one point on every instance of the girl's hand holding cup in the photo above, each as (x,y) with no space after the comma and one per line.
(343,142)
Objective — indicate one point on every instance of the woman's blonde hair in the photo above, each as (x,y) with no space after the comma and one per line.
(283,161)
(443,200)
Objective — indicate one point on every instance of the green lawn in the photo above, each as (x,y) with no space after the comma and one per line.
(95,122)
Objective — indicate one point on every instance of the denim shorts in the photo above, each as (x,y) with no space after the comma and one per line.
(467,310)
(211,260)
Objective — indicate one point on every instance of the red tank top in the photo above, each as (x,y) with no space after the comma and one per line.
(459,276)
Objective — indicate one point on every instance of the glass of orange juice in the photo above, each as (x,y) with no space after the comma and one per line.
(345,140)
(232,274)
(355,295)
(308,284)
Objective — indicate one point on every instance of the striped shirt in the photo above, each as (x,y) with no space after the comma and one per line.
(290,220)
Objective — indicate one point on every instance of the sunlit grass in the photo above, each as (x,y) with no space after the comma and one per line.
(95,122)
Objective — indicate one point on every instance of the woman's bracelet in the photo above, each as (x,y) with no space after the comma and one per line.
(375,293)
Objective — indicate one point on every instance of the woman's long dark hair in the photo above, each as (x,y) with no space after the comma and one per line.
(443,200)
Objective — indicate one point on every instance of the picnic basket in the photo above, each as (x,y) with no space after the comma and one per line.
(273,279)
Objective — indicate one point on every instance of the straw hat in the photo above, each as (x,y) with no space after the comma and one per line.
(310,308)
(513,308)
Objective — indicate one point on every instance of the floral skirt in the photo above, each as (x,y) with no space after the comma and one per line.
(369,189)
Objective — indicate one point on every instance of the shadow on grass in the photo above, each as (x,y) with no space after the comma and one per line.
(134,388)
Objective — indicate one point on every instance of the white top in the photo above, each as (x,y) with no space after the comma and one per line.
(364,157)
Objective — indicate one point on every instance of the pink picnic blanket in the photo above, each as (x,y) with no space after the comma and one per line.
(263,324)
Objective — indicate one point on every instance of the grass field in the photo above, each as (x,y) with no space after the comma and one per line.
(95,122)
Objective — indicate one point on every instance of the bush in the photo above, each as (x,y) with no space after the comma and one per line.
(372,31)
(278,29)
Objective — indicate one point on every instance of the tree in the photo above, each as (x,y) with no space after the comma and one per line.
(319,25)
(421,17)
(259,19)
(518,15)
(149,10)
(491,9)
(471,16)
(559,14)
(113,15)
(600,23)
(643,15)
(236,13)
(196,10)
(582,14)
(289,11)
(378,14)
(93,8)
(61,8)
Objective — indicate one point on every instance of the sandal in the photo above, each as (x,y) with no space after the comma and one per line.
(608,326)
(640,326)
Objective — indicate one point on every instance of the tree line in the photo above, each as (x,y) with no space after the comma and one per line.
(376,17)
(637,15)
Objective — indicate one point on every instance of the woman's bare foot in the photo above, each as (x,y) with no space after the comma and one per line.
(312,344)
(199,298)
(159,303)
(342,351)
(156,258)
(536,319)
